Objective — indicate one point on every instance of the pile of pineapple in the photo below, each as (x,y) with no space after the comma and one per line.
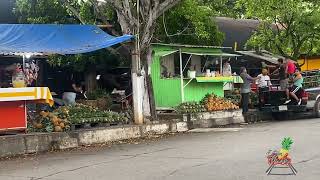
(50,122)
(190,107)
(215,103)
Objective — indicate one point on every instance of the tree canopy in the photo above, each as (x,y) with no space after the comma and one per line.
(189,23)
(288,27)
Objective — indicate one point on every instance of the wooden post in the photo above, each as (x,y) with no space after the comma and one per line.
(150,86)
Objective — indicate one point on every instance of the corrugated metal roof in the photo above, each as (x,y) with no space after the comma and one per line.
(264,55)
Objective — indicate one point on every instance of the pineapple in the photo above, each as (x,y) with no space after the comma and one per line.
(286,145)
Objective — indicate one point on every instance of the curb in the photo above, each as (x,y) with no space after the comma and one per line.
(41,142)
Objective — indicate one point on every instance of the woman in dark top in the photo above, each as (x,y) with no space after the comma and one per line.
(70,92)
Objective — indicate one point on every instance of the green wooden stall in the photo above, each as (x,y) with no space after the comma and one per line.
(176,87)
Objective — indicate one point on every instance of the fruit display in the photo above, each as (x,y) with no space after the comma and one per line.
(62,118)
(233,96)
(215,103)
(210,102)
(49,122)
(80,114)
(190,107)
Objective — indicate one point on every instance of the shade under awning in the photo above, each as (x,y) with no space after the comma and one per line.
(54,39)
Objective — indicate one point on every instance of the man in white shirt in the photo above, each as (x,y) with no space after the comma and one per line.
(264,84)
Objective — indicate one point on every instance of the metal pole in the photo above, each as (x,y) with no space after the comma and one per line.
(185,66)
(23,62)
(181,77)
(221,65)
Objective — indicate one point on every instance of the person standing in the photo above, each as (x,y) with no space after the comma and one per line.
(70,92)
(264,84)
(245,89)
(291,68)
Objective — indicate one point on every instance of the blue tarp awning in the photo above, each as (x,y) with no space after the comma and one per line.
(54,39)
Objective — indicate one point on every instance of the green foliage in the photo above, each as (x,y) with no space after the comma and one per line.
(87,13)
(225,8)
(42,11)
(288,27)
(98,93)
(102,59)
(189,23)
(286,143)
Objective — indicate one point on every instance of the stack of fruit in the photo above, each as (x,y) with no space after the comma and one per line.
(214,103)
(49,122)
(233,96)
(80,114)
(190,107)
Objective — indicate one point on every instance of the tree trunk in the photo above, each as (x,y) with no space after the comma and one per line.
(150,85)
(90,78)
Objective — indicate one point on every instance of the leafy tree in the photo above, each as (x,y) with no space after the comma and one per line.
(226,8)
(43,11)
(288,27)
(189,23)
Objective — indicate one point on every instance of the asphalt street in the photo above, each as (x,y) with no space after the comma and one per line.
(239,154)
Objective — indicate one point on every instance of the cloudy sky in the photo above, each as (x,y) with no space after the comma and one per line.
(6,15)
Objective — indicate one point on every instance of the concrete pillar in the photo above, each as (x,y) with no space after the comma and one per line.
(137,92)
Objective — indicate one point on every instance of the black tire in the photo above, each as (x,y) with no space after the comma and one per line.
(316,109)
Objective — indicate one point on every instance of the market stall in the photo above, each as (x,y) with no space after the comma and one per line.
(40,40)
(183,73)
(13,103)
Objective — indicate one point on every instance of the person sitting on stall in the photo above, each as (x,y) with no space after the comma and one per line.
(296,88)
(245,89)
(264,84)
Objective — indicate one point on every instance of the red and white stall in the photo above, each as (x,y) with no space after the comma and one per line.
(13,109)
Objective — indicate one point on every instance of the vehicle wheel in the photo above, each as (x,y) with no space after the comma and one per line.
(316,108)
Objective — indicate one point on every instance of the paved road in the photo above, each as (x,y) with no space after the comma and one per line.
(199,156)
